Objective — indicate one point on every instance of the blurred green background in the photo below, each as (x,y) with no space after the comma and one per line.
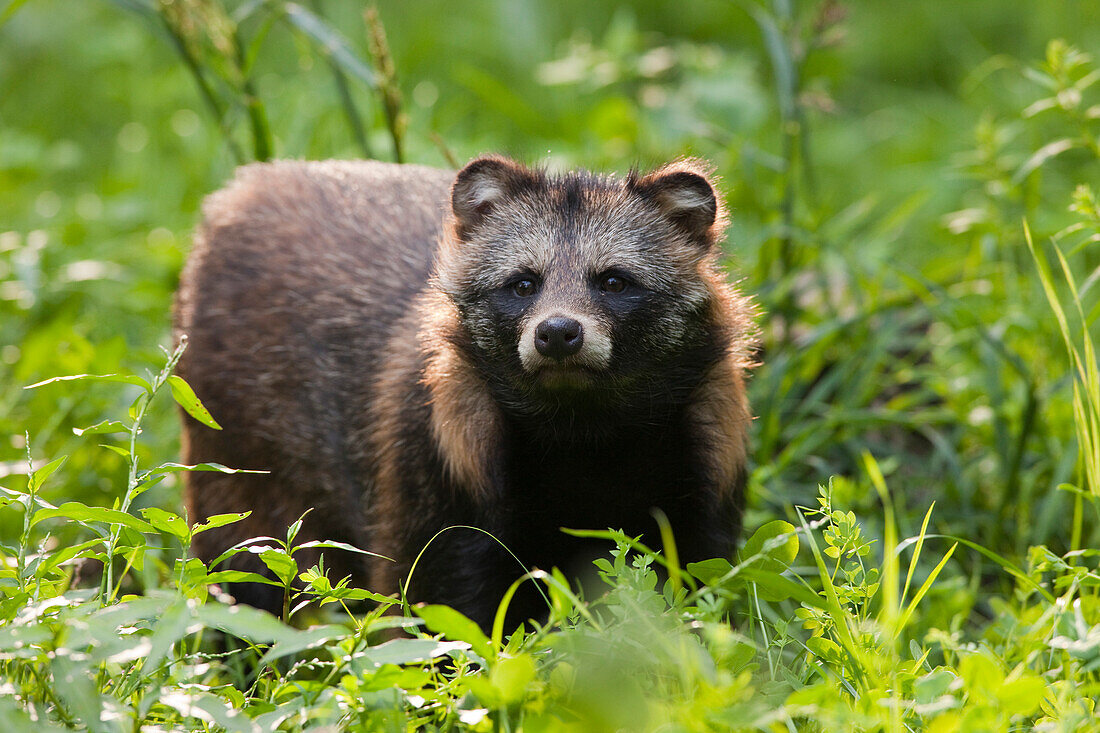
(879,160)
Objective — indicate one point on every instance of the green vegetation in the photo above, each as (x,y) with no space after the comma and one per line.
(913,195)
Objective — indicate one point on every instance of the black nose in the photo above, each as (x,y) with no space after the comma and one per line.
(559,337)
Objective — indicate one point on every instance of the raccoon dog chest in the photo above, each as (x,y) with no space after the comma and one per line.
(405,350)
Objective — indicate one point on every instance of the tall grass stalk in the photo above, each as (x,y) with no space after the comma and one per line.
(1082,354)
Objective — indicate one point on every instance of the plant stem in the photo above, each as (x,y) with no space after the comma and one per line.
(351,112)
(387,81)
(262,144)
(205,91)
(25,538)
(133,481)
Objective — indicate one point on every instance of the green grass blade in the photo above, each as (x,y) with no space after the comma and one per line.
(916,551)
(889,585)
(1009,567)
(904,620)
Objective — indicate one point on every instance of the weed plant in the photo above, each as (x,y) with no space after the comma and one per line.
(925,489)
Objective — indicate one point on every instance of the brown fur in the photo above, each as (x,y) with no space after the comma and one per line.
(386,393)
(466,421)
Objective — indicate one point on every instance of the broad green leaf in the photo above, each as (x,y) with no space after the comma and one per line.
(1022,696)
(166,522)
(38,478)
(84,513)
(710,571)
(932,685)
(405,651)
(776,544)
(20,640)
(215,711)
(825,649)
(511,676)
(981,673)
(239,576)
(219,520)
(64,554)
(246,622)
(77,689)
(280,563)
(178,621)
(186,398)
(12,717)
(301,641)
(272,719)
(772,586)
(456,627)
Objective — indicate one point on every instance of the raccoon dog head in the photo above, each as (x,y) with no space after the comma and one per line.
(578,286)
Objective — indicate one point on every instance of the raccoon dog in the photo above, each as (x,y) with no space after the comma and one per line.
(406,350)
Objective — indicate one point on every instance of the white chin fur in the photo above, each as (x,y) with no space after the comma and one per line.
(595,352)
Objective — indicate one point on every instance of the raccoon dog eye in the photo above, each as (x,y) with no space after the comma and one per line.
(613,284)
(524,288)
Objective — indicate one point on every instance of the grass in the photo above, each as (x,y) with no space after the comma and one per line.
(911,203)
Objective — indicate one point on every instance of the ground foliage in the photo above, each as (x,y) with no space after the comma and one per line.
(912,189)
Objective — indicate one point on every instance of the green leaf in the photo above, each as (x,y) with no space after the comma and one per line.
(38,478)
(124,378)
(78,691)
(405,651)
(301,641)
(280,563)
(1022,696)
(825,649)
(6,15)
(457,627)
(83,513)
(339,546)
(176,622)
(205,706)
(776,543)
(186,398)
(25,637)
(1007,566)
(219,520)
(512,676)
(248,623)
(1042,155)
(710,571)
(178,467)
(167,522)
(62,555)
(932,685)
(12,717)
(107,426)
(772,586)
(239,576)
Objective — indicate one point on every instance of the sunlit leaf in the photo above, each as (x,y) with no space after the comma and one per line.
(185,397)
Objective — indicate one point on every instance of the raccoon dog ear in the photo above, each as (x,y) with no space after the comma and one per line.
(483,184)
(685,196)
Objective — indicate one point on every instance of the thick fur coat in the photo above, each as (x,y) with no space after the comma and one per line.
(406,350)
